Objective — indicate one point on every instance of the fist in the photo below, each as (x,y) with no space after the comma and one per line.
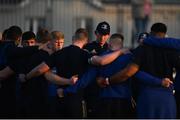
(60,92)
(22,77)
(102,82)
(74,79)
(166,82)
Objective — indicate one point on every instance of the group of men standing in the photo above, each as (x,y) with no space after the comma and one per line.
(88,79)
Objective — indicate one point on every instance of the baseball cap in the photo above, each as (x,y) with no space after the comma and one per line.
(103,28)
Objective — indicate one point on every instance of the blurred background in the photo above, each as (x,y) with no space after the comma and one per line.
(128,17)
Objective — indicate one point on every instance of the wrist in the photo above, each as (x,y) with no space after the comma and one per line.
(90,60)
(107,80)
(26,77)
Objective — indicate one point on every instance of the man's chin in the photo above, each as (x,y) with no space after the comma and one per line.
(58,49)
(101,44)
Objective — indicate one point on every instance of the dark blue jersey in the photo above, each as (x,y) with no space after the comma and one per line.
(95,48)
(88,77)
(169,43)
(121,90)
(163,42)
(156,101)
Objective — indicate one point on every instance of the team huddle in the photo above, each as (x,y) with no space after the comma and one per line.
(39,78)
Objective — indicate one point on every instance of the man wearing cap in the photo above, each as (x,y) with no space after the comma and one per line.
(97,47)
(102,33)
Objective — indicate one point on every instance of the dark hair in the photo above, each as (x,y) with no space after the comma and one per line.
(14,33)
(28,35)
(80,34)
(43,36)
(159,27)
(4,34)
(117,35)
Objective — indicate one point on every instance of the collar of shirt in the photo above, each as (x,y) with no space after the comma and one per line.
(104,46)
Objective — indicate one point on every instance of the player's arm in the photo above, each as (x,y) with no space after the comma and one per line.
(108,58)
(84,81)
(60,80)
(152,80)
(37,71)
(6,73)
(124,74)
(163,42)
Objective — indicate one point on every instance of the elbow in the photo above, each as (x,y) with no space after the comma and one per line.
(35,74)
(41,71)
(124,77)
(128,75)
(5,75)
